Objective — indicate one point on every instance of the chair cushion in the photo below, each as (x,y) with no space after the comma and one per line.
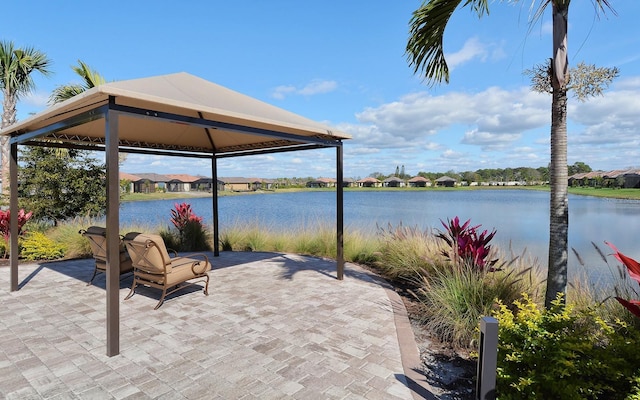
(181,271)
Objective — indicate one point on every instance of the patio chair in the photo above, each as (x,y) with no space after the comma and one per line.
(97,237)
(153,267)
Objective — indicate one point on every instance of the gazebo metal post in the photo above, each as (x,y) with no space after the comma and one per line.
(339,213)
(13,209)
(113,233)
(214,191)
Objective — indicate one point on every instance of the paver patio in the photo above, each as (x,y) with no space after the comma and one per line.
(274,326)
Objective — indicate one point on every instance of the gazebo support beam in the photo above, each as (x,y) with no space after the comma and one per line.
(214,191)
(339,213)
(13,207)
(113,235)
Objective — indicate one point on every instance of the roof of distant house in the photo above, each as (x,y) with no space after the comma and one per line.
(419,179)
(325,180)
(369,179)
(235,179)
(183,178)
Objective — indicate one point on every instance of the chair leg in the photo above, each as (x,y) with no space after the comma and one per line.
(133,289)
(95,272)
(164,293)
(206,286)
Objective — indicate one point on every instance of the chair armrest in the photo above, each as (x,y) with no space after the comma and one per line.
(197,266)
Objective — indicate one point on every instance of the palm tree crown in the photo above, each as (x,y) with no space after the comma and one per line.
(16,66)
(90,78)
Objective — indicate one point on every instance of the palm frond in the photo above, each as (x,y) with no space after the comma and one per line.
(425,50)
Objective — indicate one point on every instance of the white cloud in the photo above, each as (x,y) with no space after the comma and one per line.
(452,155)
(419,115)
(472,49)
(36,99)
(318,87)
(312,88)
(488,140)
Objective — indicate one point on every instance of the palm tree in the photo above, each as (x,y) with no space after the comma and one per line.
(425,53)
(16,66)
(90,79)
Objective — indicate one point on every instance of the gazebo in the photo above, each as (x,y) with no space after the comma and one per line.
(173,115)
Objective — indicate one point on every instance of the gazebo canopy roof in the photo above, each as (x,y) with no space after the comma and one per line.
(177,113)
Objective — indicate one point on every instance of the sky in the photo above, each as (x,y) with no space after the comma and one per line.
(343,63)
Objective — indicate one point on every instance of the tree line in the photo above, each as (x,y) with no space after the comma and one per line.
(518,174)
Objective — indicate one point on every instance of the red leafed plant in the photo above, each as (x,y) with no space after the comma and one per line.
(633,268)
(467,245)
(5,225)
(4,222)
(182,214)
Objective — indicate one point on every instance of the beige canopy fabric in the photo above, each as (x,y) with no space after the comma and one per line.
(179,115)
(177,112)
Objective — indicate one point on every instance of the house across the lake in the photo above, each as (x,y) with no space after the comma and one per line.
(369,182)
(151,182)
(419,181)
(624,178)
(446,181)
(394,181)
(322,183)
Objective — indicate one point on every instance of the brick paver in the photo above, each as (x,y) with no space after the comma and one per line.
(274,326)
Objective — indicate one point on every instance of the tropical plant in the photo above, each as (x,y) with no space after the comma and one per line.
(16,67)
(425,51)
(466,245)
(183,214)
(633,269)
(5,228)
(191,233)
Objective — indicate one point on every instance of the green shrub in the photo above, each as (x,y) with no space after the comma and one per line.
(171,239)
(564,353)
(67,235)
(405,252)
(456,297)
(37,246)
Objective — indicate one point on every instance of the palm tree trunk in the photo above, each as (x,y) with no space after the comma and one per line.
(558,169)
(8,118)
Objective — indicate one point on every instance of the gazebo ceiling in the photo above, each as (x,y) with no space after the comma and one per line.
(177,113)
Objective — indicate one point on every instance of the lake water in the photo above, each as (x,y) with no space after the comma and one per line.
(521,217)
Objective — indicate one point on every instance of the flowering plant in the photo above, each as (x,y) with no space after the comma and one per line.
(633,268)
(467,244)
